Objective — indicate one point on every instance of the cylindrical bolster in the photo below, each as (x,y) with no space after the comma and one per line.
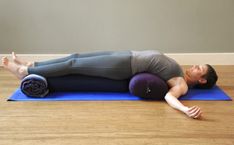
(34,86)
(148,86)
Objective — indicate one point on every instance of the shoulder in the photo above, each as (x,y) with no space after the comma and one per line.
(178,84)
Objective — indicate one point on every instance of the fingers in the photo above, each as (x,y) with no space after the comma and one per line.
(194,112)
(198,115)
(193,109)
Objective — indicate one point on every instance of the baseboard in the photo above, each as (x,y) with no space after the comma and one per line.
(203,58)
(181,58)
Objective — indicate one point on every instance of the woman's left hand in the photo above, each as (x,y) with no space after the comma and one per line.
(193,112)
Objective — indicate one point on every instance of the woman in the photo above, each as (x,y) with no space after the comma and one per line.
(122,65)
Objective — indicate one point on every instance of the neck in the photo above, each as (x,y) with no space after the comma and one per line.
(188,80)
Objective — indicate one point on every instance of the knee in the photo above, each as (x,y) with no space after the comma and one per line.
(71,62)
(74,55)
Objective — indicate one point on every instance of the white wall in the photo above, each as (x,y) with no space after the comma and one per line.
(67,26)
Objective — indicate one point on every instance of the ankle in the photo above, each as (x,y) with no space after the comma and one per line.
(30,64)
(23,71)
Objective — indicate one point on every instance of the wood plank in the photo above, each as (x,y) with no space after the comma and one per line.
(114,122)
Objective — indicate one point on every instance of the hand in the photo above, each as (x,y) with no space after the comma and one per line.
(193,112)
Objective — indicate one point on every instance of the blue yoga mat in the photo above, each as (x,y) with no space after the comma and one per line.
(194,94)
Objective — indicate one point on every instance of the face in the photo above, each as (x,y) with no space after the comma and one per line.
(196,72)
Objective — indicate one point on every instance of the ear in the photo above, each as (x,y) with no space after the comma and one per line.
(202,81)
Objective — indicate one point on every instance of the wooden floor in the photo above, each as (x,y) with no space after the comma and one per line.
(114,122)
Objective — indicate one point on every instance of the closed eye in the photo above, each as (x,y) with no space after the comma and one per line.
(202,68)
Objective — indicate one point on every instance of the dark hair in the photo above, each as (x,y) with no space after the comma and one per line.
(211,78)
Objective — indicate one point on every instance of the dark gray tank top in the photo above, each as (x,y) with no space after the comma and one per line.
(154,62)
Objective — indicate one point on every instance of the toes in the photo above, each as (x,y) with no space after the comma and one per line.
(5,60)
(13,55)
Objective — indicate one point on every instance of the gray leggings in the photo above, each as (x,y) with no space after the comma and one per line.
(107,64)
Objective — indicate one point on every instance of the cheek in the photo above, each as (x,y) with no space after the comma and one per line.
(193,72)
(195,75)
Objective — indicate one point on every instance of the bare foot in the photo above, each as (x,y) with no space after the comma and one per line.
(18,70)
(5,61)
(19,61)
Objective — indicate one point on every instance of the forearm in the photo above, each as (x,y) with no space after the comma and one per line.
(175,103)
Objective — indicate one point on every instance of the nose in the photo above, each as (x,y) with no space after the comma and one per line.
(194,67)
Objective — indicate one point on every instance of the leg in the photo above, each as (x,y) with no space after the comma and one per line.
(30,64)
(115,65)
(58,60)
(93,54)
(72,56)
